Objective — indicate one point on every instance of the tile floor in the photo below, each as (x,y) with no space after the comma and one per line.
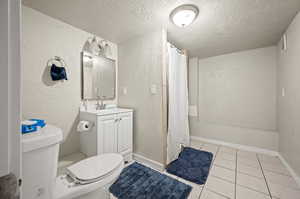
(237,174)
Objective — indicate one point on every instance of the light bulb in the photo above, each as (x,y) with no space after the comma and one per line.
(184,15)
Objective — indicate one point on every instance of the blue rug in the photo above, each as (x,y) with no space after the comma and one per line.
(140,182)
(192,165)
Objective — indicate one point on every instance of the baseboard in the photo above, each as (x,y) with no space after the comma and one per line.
(252,149)
(290,169)
(237,146)
(148,162)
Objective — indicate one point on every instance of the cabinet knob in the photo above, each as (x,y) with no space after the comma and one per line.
(117,120)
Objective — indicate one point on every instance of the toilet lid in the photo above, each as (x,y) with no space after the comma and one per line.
(95,167)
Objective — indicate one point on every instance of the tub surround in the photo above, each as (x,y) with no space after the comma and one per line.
(235,98)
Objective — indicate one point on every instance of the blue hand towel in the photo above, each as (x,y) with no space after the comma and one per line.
(58,73)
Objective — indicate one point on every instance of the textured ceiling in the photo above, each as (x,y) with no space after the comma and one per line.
(223,26)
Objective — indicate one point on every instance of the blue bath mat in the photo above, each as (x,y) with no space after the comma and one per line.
(192,165)
(140,182)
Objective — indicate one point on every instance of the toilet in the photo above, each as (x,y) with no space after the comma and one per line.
(87,179)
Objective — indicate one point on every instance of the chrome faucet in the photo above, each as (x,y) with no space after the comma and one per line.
(85,102)
(100,105)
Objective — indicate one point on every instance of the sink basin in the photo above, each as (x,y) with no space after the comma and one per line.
(105,111)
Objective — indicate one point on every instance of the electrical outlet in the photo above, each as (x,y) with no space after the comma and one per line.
(153,89)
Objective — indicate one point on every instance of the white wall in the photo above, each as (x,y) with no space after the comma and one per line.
(236,97)
(58,103)
(289,103)
(140,66)
(4,61)
(15,69)
(10,88)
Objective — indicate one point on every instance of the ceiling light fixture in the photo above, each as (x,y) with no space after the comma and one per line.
(184,15)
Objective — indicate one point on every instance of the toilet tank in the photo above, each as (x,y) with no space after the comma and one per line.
(39,162)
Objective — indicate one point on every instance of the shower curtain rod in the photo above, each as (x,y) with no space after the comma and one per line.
(180,51)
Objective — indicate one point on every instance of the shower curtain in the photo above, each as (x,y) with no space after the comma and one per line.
(178,124)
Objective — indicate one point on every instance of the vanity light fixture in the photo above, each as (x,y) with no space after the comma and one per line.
(98,47)
(184,15)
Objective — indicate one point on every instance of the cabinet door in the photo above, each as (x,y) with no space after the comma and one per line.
(125,133)
(107,134)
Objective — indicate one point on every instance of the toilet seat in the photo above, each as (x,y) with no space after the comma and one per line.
(94,168)
(67,187)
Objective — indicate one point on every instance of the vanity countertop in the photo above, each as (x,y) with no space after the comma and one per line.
(106,111)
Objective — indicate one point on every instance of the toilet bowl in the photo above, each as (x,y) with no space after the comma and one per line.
(89,178)
(86,179)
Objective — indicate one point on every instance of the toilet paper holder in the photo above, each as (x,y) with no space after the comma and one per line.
(84,126)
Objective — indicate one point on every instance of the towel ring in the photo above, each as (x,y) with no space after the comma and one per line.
(56,59)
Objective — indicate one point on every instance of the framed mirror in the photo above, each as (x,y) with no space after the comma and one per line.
(98,77)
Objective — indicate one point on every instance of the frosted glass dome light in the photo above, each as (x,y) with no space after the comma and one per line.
(184,15)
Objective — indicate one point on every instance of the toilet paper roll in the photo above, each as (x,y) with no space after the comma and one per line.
(84,126)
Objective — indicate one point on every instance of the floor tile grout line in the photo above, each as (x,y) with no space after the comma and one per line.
(209,170)
(277,172)
(255,190)
(227,153)
(249,165)
(223,179)
(218,193)
(247,174)
(225,167)
(264,176)
(254,177)
(235,180)
(227,159)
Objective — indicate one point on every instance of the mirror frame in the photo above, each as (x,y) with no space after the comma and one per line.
(83,53)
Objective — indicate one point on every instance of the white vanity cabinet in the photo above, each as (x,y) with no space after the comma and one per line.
(124,132)
(111,133)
